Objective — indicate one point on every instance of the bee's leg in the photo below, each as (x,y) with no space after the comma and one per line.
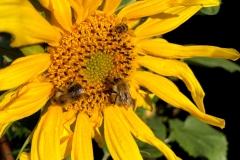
(133,105)
(118,101)
(113,97)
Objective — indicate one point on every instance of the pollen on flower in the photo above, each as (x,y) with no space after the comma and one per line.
(91,54)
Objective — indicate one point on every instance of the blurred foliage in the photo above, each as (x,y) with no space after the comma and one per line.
(199,139)
(16,130)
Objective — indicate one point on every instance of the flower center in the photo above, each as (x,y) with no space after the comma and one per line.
(98,49)
(98,67)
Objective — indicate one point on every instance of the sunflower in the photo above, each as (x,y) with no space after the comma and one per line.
(94,47)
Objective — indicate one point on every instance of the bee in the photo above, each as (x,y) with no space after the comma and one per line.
(123,28)
(69,95)
(120,94)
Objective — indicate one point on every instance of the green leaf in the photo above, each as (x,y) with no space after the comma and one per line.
(32,49)
(213,62)
(159,131)
(199,139)
(106,153)
(123,4)
(209,10)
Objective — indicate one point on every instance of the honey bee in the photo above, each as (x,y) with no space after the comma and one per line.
(69,95)
(120,94)
(123,28)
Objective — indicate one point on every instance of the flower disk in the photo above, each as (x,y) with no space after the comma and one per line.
(90,55)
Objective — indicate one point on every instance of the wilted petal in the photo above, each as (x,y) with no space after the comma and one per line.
(167,67)
(118,137)
(141,131)
(168,91)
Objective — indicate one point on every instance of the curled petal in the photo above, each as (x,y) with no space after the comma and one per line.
(90,6)
(141,131)
(82,141)
(110,6)
(140,97)
(168,91)
(24,101)
(67,135)
(144,8)
(152,7)
(23,69)
(118,137)
(166,21)
(161,48)
(27,26)
(78,10)
(61,11)
(46,137)
(167,67)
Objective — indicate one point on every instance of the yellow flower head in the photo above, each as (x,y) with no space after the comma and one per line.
(92,73)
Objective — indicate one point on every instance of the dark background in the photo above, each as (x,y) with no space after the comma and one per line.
(221,87)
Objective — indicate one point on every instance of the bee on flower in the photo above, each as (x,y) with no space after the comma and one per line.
(86,46)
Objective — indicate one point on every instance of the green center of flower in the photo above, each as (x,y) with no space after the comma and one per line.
(98,49)
(98,67)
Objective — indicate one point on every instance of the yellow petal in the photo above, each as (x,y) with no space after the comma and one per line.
(152,7)
(110,6)
(3,126)
(168,91)
(90,6)
(141,131)
(167,67)
(46,137)
(27,26)
(25,156)
(96,121)
(145,8)
(118,137)
(27,100)
(61,11)
(67,135)
(203,3)
(140,99)
(158,47)
(98,137)
(78,10)
(165,22)
(22,70)
(82,141)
